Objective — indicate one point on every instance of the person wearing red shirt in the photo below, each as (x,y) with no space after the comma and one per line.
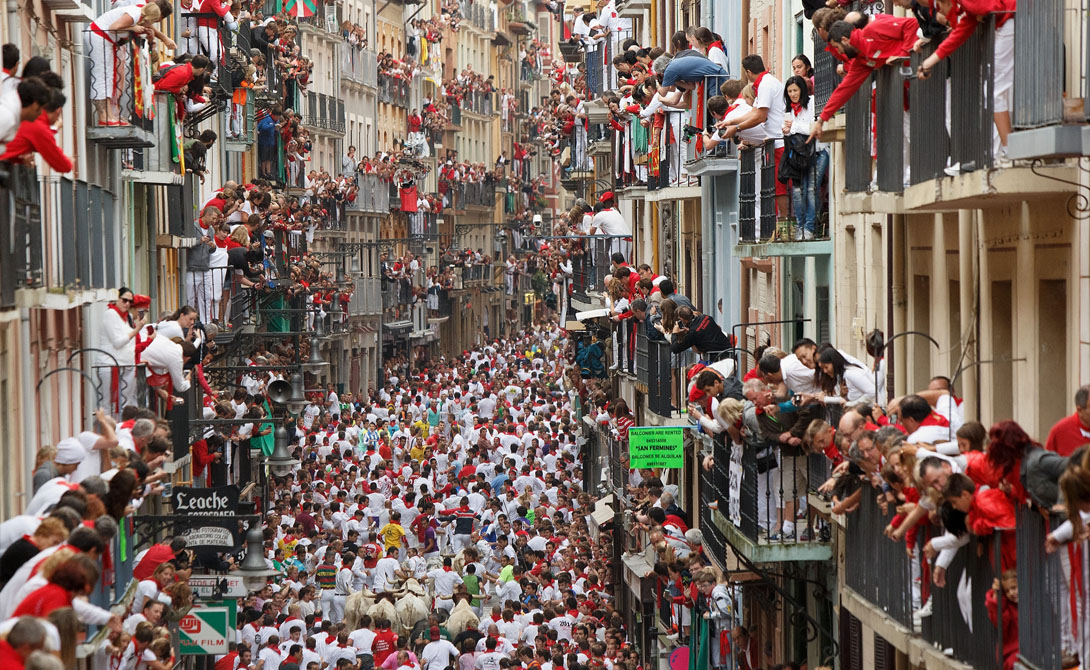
(75,577)
(883,41)
(35,135)
(1071,432)
(155,556)
(177,77)
(24,638)
(385,642)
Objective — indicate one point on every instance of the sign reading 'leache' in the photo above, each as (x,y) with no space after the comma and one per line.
(654,447)
(207,517)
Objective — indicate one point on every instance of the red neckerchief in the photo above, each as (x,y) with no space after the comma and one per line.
(446,568)
(757,82)
(222,245)
(124,315)
(796,108)
(717,43)
(936,419)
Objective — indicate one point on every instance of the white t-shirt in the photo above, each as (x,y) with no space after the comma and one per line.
(610,222)
(438,654)
(384,573)
(770,97)
(362,640)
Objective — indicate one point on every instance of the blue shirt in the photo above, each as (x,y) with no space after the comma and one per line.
(266,132)
(498,482)
(691,69)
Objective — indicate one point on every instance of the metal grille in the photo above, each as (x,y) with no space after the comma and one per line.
(890,129)
(857,140)
(971,123)
(929,147)
(825,77)
(975,644)
(1042,593)
(768,190)
(1037,97)
(20,232)
(876,568)
(747,197)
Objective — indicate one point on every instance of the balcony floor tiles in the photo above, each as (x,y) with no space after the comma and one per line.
(987,188)
(776,552)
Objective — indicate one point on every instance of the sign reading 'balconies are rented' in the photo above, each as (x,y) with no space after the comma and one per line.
(656,447)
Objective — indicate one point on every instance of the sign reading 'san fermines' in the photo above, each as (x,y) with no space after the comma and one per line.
(207,517)
(656,447)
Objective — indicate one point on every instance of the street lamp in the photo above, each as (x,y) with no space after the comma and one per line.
(254,571)
(280,461)
(298,399)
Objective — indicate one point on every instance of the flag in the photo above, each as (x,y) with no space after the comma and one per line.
(300,8)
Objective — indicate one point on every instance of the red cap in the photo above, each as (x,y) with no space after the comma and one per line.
(608,195)
(141,301)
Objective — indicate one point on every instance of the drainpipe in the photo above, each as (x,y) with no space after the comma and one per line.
(30,429)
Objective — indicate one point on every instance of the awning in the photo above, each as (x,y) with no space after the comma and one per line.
(398,327)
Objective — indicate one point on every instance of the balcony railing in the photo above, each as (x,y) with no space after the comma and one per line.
(393,90)
(359,65)
(474,194)
(1043,593)
(857,140)
(654,370)
(215,38)
(673,152)
(825,76)
(20,231)
(599,62)
(757,192)
(324,112)
(424,225)
(476,273)
(480,15)
(366,298)
(117,117)
(373,196)
(324,17)
(877,569)
(478,102)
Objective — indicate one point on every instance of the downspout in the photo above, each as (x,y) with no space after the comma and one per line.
(30,429)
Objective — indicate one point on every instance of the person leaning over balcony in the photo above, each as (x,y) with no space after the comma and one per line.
(176,78)
(884,40)
(965,15)
(684,74)
(768,111)
(105,49)
(42,107)
(698,331)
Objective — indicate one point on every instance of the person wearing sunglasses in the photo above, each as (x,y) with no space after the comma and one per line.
(119,334)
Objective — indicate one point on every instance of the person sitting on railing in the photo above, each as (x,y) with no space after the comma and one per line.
(884,40)
(42,108)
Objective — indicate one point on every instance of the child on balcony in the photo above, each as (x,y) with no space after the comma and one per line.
(1008,584)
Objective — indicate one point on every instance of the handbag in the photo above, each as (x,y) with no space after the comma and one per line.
(766,459)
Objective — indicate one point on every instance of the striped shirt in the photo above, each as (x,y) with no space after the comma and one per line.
(326,576)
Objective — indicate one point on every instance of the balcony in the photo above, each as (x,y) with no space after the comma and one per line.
(424,225)
(155,164)
(393,90)
(324,113)
(478,102)
(749,510)
(480,15)
(460,196)
(475,275)
(21,256)
(1050,106)
(126,119)
(323,22)
(240,128)
(655,373)
(359,66)
(366,298)
(600,71)
(372,197)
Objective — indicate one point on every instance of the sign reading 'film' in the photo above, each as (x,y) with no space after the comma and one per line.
(656,447)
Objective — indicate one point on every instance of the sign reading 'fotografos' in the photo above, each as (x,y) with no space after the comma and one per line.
(207,518)
(653,447)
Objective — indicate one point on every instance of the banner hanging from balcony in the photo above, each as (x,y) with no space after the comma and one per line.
(656,447)
(300,9)
(207,518)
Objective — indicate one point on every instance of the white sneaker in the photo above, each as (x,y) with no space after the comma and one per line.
(953,170)
(924,611)
(807,235)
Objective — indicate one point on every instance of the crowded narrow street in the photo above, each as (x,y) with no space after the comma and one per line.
(544,335)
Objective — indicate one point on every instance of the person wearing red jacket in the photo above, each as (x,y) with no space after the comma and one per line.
(1009,585)
(884,40)
(965,16)
(37,136)
(176,77)
(987,510)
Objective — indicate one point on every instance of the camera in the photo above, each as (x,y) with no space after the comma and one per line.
(688,132)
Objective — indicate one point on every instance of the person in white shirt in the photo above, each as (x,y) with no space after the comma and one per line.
(768,110)
(798,118)
(438,653)
(119,331)
(387,571)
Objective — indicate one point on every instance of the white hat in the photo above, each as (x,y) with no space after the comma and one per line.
(70,451)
